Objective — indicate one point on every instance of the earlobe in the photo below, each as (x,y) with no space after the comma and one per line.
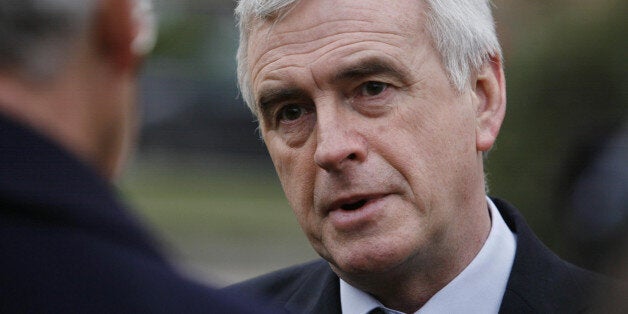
(490,97)
(146,37)
(123,31)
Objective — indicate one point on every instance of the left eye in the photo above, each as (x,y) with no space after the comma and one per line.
(291,113)
(372,88)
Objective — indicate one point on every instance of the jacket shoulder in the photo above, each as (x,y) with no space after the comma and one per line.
(540,281)
(280,285)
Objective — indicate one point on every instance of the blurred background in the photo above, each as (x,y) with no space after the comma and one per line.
(202,178)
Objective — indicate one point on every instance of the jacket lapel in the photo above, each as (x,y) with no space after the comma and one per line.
(540,282)
(318,293)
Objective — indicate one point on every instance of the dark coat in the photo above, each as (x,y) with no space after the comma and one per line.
(68,246)
(540,282)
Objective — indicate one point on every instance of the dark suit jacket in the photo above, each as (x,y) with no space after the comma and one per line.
(68,246)
(540,282)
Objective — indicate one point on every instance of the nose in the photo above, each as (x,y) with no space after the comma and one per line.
(338,143)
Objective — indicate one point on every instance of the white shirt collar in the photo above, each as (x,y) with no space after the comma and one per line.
(479,288)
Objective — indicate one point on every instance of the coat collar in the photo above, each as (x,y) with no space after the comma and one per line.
(319,292)
(540,282)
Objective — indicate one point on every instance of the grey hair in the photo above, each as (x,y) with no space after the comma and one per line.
(36,35)
(462,31)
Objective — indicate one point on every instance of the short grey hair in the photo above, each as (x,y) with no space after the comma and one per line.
(36,35)
(462,31)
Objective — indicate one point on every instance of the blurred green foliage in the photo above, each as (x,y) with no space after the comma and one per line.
(180,40)
(227,200)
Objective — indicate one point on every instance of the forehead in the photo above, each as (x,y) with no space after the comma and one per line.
(307,14)
(326,31)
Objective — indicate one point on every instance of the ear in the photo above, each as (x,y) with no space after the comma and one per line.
(490,98)
(120,26)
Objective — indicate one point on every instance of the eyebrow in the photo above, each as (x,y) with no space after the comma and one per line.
(359,70)
(370,67)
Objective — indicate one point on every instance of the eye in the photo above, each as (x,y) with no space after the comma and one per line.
(372,88)
(290,113)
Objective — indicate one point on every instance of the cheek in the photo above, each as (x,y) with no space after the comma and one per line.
(296,171)
(415,142)
(429,145)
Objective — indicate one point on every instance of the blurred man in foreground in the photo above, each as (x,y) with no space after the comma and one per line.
(67,114)
(377,116)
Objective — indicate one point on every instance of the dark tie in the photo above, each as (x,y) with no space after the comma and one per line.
(377,310)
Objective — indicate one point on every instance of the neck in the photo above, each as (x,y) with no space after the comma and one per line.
(59,109)
(39,105)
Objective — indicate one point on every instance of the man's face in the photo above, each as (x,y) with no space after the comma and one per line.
(375,150)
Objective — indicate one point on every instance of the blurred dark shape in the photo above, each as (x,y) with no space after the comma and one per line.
(567,78)
(597,213)
(616,301)
(196,119)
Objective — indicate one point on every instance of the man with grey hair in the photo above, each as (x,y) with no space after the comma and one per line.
(377,116)
(67,80)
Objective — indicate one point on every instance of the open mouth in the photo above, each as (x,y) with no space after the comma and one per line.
(355,205)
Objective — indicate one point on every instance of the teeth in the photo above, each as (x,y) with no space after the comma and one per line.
(354,206)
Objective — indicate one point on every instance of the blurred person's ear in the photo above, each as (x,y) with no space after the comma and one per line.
(147,35)
(489,91)
(124,32)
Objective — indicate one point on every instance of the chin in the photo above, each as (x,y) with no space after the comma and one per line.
(370,263)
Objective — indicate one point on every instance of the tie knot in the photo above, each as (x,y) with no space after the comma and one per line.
(377,310)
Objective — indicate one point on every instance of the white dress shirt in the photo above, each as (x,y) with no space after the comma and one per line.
(479,288)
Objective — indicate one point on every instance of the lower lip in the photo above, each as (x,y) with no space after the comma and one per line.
(352,219)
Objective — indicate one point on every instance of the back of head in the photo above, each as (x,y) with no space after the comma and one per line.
(36,35)
(462,31)
(68,69)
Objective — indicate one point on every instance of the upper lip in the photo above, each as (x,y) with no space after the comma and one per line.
(350,199)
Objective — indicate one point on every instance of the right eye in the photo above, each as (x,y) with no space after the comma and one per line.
(372,88)
(291,113)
